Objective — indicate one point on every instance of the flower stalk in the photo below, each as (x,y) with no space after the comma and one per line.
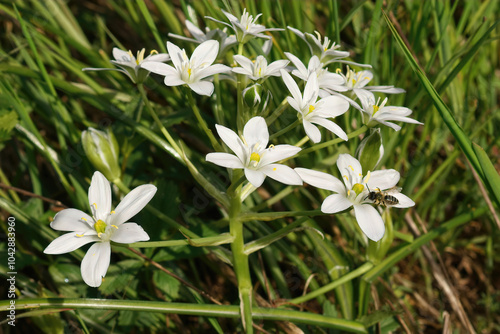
(202,122)
(240,259)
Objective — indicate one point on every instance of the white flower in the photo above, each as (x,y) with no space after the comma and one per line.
(312,111)
(200,36)
(258,69)
(327,81)
(131,65)
(327,54)
(190,71)
(354,191)
(245,28)
(357,81)
(104,226)
(253,156)
(376,112)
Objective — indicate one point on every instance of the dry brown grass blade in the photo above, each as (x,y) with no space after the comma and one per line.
(442,280)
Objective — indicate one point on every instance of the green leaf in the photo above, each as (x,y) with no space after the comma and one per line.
(377,316)
(120,276)
(167,284)
(8,121)
(490,173)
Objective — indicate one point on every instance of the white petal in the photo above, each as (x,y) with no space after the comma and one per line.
(404,201)
(321,180)
(231,139)
(173,79)
(160,57)
(331,126)
(256,178)
(369,221)
(175,54)
(387,117)
(255,131)
(282,173)
(390,111)
(244,62)
(385,89)
(311,90)
(383,179)
(121,55)
(159,68)
(333,106)
(277,153)
(292,86)
(294,103)
(212,70)
(202,87)
(224,159)
(389,124)
(68,242)
(131,204)
(349,163)
(196,32)
(128,233)
(241,70)
(335,203)
(366,98)
(205,53)
(95,263)
(312,131)
(274,67)
(71,220)
(100,196)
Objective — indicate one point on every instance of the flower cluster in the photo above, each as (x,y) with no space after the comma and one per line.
(321,94)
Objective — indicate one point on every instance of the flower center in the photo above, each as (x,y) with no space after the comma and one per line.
(375,109)
(100,227)
(254,159)
(358,188)
(311,109)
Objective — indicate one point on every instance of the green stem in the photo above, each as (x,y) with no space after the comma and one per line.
(240,259)
(268,216)
(157,120)
(204,126)
(333,141)
(206,241)
(285,130)
(330,286)
(227,311)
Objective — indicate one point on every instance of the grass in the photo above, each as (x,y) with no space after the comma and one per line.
(439,274)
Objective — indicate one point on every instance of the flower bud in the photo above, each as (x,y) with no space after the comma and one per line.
(251,95)
(371,150)
(101,148)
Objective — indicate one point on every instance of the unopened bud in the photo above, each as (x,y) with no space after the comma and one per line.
(101,148)
(371,150)
(252,94)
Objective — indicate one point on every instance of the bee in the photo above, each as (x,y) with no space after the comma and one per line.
(380,197)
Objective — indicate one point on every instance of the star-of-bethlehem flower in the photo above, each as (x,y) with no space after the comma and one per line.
(312,112)
(253,156)
(328,82)
(199,36)
(132,66)
(327,54)
(245,28)
(354,191)
(259,69)
(376,112)
(104,226)
(358,81)
(190,71)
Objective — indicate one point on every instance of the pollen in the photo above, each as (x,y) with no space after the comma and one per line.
(311,108)
(112,212)
(351,168)
(114,226)
(84,219)
(346,177)
(79,235)
(274,169)
(254,158)
(153,52)
(358,188)
(100,227)
(189,71)
(338,70)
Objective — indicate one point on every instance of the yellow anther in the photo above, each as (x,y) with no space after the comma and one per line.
(326,49)
(115,226)
(98,235)
(375,109)
(338,70)
(131,55)
(351,168)
(153,52)
(367,177)
(353,81)
(366,78)
(271,146)
(346,177)
(274,169)
(112,212)
(83,218)
(361,175)
(311,108)
(95,205)
(260,71)
(189,71)
(348,193)
(358,188)
(79,235)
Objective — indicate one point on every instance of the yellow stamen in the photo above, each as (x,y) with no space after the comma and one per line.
(260,71)
(366,78)
(115,226)
(189,71)
(338,70)
(153,52)
(83,218)
(375,109)
(358,188)
(131,55)
(112,212)
(351,168)
(98,235)
(79,235)
(326,49)
(348,192)
(346,177)
(255,158)
(353,81)
(271,146)
(95,205)
(274,169)
(367,177)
